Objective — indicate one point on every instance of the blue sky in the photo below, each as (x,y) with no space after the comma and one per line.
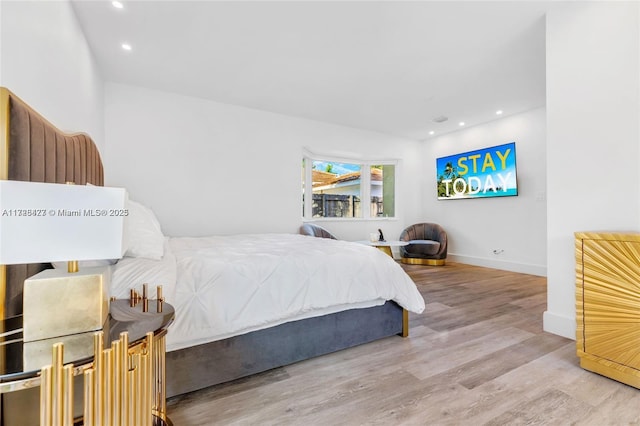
(338,168)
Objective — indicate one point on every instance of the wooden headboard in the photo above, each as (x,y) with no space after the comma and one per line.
(33,149)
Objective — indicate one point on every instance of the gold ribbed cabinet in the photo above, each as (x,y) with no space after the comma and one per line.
(608,304)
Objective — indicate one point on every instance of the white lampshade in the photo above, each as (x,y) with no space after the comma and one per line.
(48,222)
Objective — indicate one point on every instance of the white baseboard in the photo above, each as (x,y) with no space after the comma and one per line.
(523,268)
(561,325)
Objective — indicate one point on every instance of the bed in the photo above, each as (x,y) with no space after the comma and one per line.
(202,276)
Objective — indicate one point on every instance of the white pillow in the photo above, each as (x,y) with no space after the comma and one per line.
(143,236)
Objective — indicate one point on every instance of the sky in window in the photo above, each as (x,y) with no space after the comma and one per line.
(337,168)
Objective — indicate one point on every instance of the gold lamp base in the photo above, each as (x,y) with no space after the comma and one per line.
(57,303)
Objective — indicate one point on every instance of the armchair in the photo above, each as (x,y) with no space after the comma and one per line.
(315,231)
(427,244)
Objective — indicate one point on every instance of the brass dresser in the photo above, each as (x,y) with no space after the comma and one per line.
(608,304)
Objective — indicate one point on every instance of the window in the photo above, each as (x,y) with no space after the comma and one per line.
(334,188)
(383,195)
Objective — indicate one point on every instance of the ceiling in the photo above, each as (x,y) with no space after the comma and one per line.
(385,66)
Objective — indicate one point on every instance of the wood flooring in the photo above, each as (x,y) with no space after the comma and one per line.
(476,356)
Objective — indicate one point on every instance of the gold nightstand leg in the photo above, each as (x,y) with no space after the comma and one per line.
(124,386)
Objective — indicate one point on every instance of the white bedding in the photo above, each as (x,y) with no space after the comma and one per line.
(229,285)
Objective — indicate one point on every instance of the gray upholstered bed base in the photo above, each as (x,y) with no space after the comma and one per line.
(209,364)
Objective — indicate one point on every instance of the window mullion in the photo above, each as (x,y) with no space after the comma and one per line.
(365,190)
(308,187)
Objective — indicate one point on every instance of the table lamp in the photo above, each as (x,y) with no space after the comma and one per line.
(49,222)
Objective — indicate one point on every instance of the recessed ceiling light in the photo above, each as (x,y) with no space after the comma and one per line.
(499,112)
(461,123)
(126,46)
(117,4)
(431,132)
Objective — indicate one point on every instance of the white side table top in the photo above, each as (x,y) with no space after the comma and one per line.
(387,243)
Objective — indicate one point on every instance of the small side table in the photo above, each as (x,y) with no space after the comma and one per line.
(131,351)
(385,246)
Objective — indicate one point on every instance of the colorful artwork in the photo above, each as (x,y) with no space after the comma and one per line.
(488,172)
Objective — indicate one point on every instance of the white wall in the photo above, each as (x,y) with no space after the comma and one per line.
(516,226)
(593,137)
(46,61)
(210,168)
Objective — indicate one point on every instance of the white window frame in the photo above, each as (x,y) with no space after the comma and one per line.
(365,185)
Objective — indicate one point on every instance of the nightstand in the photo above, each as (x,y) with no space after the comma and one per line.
(131,351)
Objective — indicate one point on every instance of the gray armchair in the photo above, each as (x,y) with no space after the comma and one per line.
(315,231)
(427,244)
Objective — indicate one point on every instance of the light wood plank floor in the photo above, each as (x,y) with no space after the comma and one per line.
(476,356)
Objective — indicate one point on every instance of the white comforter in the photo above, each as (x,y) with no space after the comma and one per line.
(230,285)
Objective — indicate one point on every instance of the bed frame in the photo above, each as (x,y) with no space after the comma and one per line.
(33,149)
